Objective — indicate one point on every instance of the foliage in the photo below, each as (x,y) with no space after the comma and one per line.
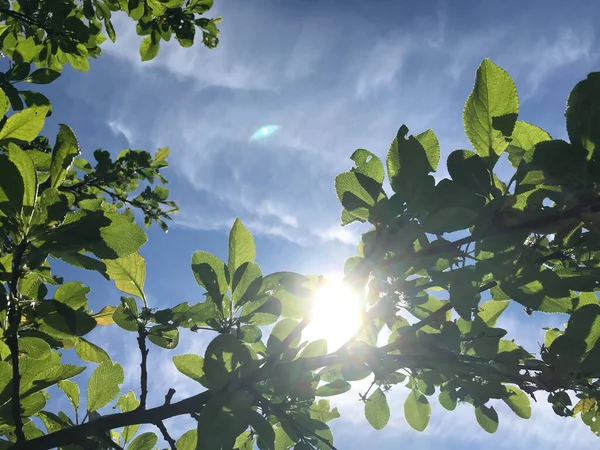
(532,240)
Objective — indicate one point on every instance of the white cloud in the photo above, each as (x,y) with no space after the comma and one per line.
(331,86)
(549,56)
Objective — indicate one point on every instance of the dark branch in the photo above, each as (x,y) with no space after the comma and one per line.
(166,435)
(142,333)
(112,421)
(169,396)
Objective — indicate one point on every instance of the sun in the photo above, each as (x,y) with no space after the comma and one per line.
(335,314)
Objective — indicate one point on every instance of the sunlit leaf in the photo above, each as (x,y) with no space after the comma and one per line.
(104,385)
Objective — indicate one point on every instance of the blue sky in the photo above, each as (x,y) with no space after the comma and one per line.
(335,76)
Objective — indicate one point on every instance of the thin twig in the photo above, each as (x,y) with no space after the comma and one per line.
(169,396)
(113,444)
(166,435)
(142,333)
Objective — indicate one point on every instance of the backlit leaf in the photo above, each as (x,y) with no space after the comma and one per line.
(491,111)
(104,385)
(241,246)
(128,273)
(24,125)
(417,410)
(487,418)
(377,410)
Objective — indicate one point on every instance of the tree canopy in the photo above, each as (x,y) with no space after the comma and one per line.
(443,259)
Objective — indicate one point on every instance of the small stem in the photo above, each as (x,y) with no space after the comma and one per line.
(169,396)
(142,333)
(166,435)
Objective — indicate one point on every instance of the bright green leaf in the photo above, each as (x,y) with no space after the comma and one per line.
(145,441)
(104,384)
(71,390)
(487,418)
(64,152)
(417,410)
(518,401)
(24,125)
(491,111)
(149,48)
(128,273)
(377,410)
(241,246)
(90,352)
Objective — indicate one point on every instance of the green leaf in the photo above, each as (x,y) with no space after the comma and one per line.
(107,235)
(126,314)
(241,246)
(250,334)
(210,273)
(518,401)
(165,336)
(368,164)
(280,333)
(264,430)
(33,98)
(261,312)
(72,294)
(149,47)
(128,273)
(491,310)
(464,285)
(34,348)
(188,440)
(359,189)
(90,352)
(191,366)
(145,441)
(245,283)
(448,399)
(161,155)
(322,411)
(128,402)
(377,411)
(4,103)
(64,152)
(62,321)
(336,387)
(27,186)
(417,410)
(487,418)
(104,384)
(24,126)
(223,355)
(583,113)
(315,348)
(491,111)
(470,170)
(413,156)
(524,138)
(71,390)
(42,76)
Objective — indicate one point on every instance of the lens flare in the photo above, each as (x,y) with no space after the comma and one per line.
(264,132)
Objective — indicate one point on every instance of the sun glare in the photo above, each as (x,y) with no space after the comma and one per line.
(335,314)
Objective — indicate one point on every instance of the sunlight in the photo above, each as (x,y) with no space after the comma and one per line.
(264,131)
(336,314)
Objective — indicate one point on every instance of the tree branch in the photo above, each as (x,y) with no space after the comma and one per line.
(112,421)
(166,435)
(142,333)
